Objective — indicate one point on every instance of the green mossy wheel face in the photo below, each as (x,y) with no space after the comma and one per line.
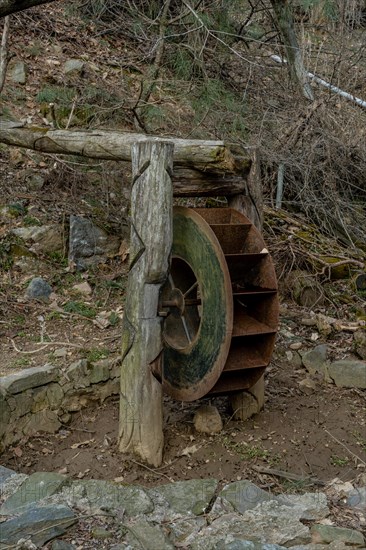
(198,329)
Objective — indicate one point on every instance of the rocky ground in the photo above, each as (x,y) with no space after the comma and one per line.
(200,514)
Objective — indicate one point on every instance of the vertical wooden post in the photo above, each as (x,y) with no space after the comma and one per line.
(248,402)
(250,203)
(141,409)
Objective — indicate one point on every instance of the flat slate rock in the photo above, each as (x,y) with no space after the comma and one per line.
(40,524)
(348,373)
(186,497)
(29,378)
(244,495)
(5,474)
(143,535)
(36,487)
(309,506)
(268,523)
(329,533)
(91,496)
(240,544)
(62,545)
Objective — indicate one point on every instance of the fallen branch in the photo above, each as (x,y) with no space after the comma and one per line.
(31,352)
(151,469)
(44,346)
(287,475)
(345,446)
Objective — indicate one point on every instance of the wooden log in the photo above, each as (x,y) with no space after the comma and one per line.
(141,417)
(246,403)
(193,183)
(207,156)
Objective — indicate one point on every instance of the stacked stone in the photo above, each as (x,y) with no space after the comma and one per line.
(42,398)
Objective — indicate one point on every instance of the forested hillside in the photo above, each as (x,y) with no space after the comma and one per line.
(208,70)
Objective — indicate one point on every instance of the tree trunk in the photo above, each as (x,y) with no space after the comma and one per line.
(250,201)
(283,16)
(141,415)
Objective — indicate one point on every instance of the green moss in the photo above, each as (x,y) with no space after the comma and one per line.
(80,308)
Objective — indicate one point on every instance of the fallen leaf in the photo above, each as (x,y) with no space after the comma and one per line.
(17,451)
(189,450)
(82,443)
(123,251)
(119,479)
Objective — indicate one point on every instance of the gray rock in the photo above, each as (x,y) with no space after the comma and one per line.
(329,533)
(359,339)
(22,402)
(19,73)
(111,387)
(144,535)
(36,487)
(42,421)
(35,182)
(39,524)
(38,289)
(348,373)
(89,244)
(240,544)
(54,395)
(92,496)
(79,373)
(5,474)
(244,495)
(335,545)
(186,497)
(74,65)
(207,419)
(5,412)
(99,372)
(309,506)
(357,499)
(268,523)
(29,378)
(42,239)
(62,545)
(181,528)
(315,360)
(11,485)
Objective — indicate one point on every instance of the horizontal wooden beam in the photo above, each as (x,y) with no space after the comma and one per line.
(211,157)
(193,183)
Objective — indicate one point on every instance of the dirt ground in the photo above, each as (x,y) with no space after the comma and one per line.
(304,438)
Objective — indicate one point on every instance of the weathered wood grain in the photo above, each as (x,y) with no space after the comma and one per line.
(204,155)
(141,417)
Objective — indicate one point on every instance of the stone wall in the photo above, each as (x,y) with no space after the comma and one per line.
(42,398)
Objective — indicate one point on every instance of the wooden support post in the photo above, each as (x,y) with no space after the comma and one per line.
(250,201)
(248,402)
(141,414)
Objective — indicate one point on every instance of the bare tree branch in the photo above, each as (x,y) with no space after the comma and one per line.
(8,7)
(4,53)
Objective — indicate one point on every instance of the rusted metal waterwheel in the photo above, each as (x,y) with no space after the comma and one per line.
(220,305)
